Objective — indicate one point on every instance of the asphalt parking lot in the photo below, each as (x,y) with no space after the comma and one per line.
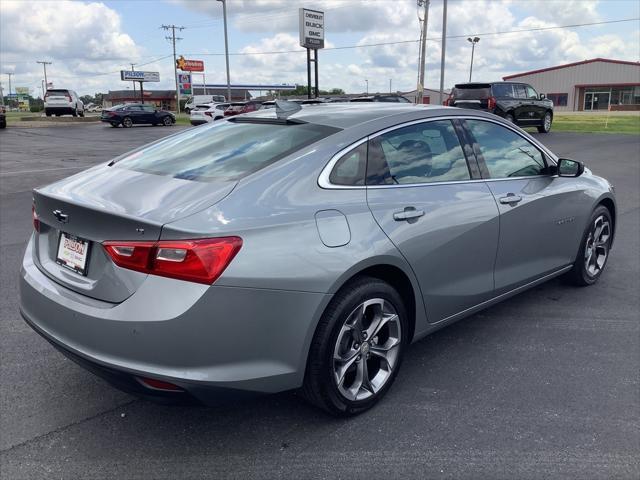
(544,385)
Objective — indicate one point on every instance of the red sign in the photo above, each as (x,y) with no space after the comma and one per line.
(189,65)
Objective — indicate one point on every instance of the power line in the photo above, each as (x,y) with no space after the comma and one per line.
(433,39)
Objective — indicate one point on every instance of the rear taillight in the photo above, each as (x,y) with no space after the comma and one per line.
(209,114)
(34,217)
(112,114)
(68,98)
(491,103)
(448,101)
(200,261)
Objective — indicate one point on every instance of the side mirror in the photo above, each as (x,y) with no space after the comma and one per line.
(542,96)
(570,168)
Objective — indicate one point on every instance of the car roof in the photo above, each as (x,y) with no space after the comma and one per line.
(345,115)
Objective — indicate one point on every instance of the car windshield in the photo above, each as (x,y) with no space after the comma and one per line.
(472,92)
(57,93)
(223,151)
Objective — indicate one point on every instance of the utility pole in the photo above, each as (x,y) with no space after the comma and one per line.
(389,86)
(425,20)
(46,82)
(367,81)
(173,39)
(226,47)
(444,48)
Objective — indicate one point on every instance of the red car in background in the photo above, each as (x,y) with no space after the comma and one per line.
(236,108)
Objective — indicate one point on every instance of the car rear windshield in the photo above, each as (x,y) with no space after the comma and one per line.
(472,92)
(223,151)
(57,93)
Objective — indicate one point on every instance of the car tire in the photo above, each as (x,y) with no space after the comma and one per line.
(167,121)
(347,372)
(48,114)
(187,111)
(546,123)
(81,113)
(594,249)
(127,122)
(75,112)
(509,118)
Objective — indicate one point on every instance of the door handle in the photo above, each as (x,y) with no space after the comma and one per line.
(510,199)
(409,213)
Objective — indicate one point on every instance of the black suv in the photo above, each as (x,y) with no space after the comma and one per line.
(517,102)
(382,98)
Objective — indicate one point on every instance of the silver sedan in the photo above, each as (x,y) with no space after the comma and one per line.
(302,248)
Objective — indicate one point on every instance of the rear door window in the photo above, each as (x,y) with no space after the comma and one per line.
(504,90)
(423,153)
(519,91)
(223,151)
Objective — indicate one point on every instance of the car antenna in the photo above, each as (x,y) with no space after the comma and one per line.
(284,108)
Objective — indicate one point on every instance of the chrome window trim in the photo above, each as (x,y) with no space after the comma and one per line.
(323,178)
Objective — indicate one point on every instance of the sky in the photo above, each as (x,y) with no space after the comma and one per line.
(89,42)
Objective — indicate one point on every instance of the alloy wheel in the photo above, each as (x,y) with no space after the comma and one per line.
(367,348)
(596,247)
(547,122)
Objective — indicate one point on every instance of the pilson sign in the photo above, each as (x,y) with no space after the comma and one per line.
(311,28)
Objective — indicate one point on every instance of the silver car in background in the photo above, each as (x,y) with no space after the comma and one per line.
(302,249)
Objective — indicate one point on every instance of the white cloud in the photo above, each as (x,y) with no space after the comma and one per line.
(81,39)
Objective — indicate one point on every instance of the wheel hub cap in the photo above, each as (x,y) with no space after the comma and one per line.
(366,350)
(597,246)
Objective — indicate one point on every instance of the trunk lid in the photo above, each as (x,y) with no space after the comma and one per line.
(106,203)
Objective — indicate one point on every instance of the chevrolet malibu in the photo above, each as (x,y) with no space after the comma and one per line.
(299,248)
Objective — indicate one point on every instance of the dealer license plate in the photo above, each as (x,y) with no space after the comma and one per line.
(73,253)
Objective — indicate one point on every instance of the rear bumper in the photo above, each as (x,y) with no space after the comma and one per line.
(210,341)
(61,110)
(198,121)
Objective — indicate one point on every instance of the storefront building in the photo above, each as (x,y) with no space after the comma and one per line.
(590,85)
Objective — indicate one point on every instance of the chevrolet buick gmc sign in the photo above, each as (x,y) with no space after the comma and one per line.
(139,76)
(311,28)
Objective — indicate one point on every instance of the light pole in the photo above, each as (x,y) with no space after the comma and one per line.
(367,81)
(226,47)
(473,42)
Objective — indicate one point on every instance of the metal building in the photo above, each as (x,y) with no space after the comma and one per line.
(595,84)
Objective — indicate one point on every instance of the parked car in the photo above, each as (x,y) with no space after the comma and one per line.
(3,117)
(92,107)
(63,102)
(518,103)
(391,98)
(201,100)
(207,113)
(131,114)
(306,250)
(236,108)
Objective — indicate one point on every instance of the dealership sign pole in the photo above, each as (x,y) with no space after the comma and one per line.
(312,38)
